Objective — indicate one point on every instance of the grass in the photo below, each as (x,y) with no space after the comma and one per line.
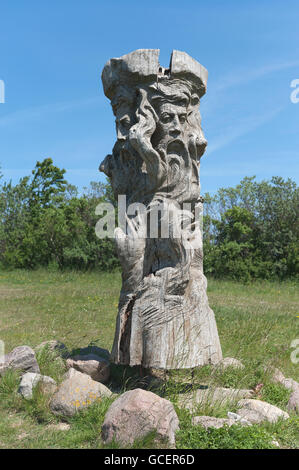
(256,322)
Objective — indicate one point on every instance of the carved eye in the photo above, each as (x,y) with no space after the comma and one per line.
(166,117)
(194,100)
(125,122)
(183,118)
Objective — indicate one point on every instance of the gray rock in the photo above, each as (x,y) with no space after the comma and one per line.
(293,404)
(278,377)
(97,368)
(211,422)
(135,414)
(76,392)
(28,382)
(275,443)
(238,419)
(290,384)
(229,362)
(21,358)
(47,385)
(213,396)
(257,411)
(31,379)
(232,415)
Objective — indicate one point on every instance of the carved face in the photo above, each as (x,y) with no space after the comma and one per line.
(172,124)
(123,121)
(123,109)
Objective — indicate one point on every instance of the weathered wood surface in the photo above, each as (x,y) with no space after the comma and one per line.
(164,320)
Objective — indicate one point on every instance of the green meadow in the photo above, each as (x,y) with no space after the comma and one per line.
(256,322)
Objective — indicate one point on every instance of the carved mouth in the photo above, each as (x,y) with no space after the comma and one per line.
(176,146)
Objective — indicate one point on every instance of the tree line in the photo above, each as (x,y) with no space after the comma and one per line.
(250,231)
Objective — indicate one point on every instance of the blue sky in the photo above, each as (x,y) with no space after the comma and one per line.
(52,54)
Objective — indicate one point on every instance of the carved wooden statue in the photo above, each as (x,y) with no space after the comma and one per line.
(164,320)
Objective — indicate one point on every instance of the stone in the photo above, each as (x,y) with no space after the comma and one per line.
(135,414)
(229,362)
(53,346)
(212,396)
(238,419)
(47,385)
(232,415)
(28,382)
(31,379)
(76,392)
(21,358)
(164,320)
(257,411)
(97,368)
(277,375)
(212,422)
(293,403)
(290,384)
(275,443)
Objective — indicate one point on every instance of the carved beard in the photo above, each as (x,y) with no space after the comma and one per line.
(179,166)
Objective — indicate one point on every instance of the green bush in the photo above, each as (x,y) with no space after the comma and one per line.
(250,231)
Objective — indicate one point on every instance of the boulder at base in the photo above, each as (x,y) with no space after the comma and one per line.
(21,358)
(31,379)
(77,391)
(293,404)
(211,422)
(135,414)
(257,411)
(94,366)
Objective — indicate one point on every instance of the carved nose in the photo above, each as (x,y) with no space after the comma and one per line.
(175,132)
(105,166)
(120,136)
(175,129)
